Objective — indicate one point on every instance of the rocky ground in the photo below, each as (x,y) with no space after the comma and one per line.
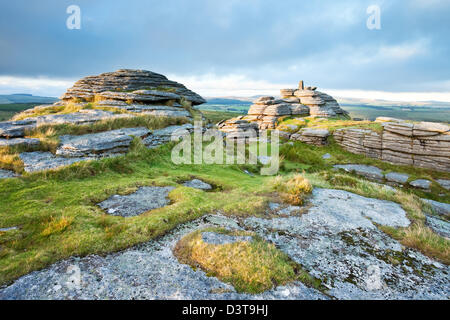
(335,236)
(336,240)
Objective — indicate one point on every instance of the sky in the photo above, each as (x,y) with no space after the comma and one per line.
(233,47)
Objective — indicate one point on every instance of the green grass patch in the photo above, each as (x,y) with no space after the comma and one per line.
(57,215)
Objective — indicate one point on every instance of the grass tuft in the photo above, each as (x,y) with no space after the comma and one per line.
(250,266)
(293,190)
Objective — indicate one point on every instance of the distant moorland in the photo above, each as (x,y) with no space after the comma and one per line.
(417,111)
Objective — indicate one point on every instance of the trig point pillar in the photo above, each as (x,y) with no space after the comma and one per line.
(301,86)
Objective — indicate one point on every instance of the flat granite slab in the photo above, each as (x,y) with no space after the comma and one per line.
(22,142)
(38,161)
(439,226)
(440,208)
(4,174)
(221,239)
(98,144)
(143,200)
(16,129)
(370,172)
(84,116)
(197,184)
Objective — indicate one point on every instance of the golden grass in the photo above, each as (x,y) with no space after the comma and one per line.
(253,267)
(10,161)
(40,111)
(293,190)
(57,226)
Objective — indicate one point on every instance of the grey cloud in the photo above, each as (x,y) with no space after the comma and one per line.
(325,42)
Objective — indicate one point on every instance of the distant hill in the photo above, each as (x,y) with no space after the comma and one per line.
(388,103)
(24,98)
(227,100)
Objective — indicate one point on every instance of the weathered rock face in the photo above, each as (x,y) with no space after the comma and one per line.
(391,179)
(316,137)
(197,184)
(14,129)
(440,208)
(129,93)
(145,85)
(370,172)
(299,102)
(19,142)
(158,137)
(423,144)
(337,241)
(38,161)
(96,144)
(238,128)
(4,174)
(439,226)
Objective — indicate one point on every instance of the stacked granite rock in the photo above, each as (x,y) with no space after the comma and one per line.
(301,102)
(423,144)
(266,111)
(360,141)
(317,137)
(139,85)
(128,93)
(238,128)
(318,103)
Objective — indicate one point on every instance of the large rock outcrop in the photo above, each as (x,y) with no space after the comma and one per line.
(138,85)
(423,144)
(122,94)
(299,102)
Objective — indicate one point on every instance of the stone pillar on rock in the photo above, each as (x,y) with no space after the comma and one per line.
(301,85)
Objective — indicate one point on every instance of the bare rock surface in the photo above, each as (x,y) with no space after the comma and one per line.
(266,110)
(421,184)
(161,136)
(220,238)
(143,200)
(98,145)
(39,161)
(444,183)
(424,144)
(197,184)
(336,241)
(140,96)
(125,80)
(318,137)
(397,178)
(440,208)
(439,226)
(103,143)
(369,172)
(15,129)
(19,142)
(7,174)
(84,116)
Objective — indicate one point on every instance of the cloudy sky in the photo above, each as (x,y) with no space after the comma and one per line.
(232,47)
